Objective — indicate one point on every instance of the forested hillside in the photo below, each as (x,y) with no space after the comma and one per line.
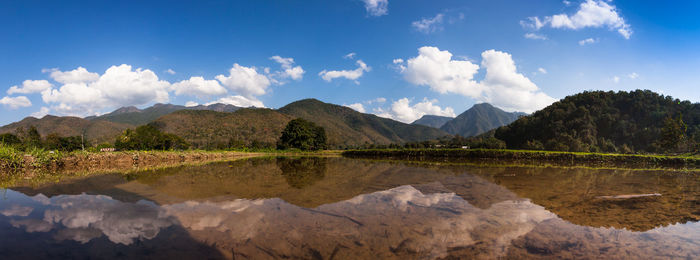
(248,127)
(637,121)
(346,127)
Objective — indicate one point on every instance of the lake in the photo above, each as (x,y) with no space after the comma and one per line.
(339,208)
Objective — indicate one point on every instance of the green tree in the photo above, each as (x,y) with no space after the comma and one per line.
(9,139)
(33,137)
(302,134)
(673,134)
(147,137)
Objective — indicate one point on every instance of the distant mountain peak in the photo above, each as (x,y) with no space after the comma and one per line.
(479,119)
(432,121)
(123,110)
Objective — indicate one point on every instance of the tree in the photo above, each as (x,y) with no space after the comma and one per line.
(33,137)
(9,139)
(673,134)
(147,137)
(302,134)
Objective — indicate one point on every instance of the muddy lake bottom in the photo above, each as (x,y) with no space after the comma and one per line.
(341,208)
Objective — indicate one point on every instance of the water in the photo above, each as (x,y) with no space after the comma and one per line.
(336,208)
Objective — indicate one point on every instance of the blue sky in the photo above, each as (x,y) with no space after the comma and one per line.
(411,57)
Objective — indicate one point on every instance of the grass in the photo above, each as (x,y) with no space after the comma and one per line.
(11,160)
(593,159)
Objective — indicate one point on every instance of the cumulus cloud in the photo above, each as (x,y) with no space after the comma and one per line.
(245,81)
(78,75)
(191,104)
(587,41)
(118,86)
(30,86)
(288,68)
(357,106)
(534,36)
(16,102)
(402,110)
(170,71)
(591,13)
(348,74)
(239,101)
(41,113)
(502,85)
(429,25)
(436,69)
(198,86)
(397,61)
(376,7)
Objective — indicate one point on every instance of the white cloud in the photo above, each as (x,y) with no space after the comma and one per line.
(239,101)
(191,104)
(534,36)
(198,86)
(429,25)
(377,7)
(41,113)
(78,75)
(377,100)
(587,41)
(591,13)
(348,74)
(502,85)
(245,81)
(16,102)
(397,61)
(403,111)
(350,56)
(542,70)
(436,69)
(357,106)
(533,23)
(616,79)
(30,86)
(289,70)
(118,86)
(170,71)
(633,75)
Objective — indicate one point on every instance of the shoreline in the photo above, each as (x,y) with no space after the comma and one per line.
(529,157)
(134,160)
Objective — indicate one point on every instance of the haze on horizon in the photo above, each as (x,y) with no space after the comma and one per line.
(397,59)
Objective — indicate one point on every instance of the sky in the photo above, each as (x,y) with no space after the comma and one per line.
(399,59)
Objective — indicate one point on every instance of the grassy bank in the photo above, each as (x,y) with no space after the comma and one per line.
(533,157)
(32,161)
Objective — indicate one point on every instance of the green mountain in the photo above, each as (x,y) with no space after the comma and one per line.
(93,131)
(346,127)
(210,129)
(134,116)
(432,121)
(479,119)
(640,120)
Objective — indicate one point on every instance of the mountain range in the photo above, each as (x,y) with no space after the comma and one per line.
(134,116)
(477,120)
(220,126)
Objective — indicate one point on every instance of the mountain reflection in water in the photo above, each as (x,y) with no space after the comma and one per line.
(341,208)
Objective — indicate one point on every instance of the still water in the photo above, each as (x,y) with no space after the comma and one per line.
(337,208)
